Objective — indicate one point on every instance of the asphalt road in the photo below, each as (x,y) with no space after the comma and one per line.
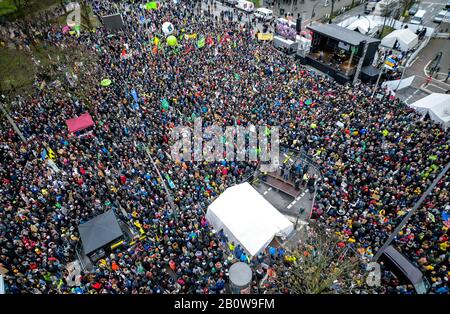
(432,8)
(304,9)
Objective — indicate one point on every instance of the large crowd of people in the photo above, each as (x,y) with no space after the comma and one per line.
(376,162)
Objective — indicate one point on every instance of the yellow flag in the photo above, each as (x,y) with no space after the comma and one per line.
(265,36)
(51,154)
(156,41)
(190,36)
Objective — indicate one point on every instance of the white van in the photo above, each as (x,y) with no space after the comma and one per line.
(418,17)
(247,6)
(264,14)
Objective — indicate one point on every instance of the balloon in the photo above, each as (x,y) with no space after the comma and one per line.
(172,41)
(167,28)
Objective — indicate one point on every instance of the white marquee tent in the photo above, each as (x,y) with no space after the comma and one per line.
(364,25)
(247,218)
(437,106)
(406,39)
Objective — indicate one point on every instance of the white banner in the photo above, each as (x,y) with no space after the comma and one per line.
(398,84)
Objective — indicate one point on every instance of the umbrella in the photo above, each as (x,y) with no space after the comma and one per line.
(308,102)
(105,82)
(66,29)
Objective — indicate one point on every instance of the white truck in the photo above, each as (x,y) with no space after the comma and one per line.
(246,6)
(263,13)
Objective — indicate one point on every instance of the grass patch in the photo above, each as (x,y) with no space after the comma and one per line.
(9,11)
(387,30)
(7,7)
(17,69)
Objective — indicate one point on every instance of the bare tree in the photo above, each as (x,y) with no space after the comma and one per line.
(320,264)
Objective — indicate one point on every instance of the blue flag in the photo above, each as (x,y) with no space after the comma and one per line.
(44,154)
(135,95)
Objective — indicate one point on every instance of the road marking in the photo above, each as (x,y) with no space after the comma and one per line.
(431,84)
(295,200)
(415,92)
(267,191)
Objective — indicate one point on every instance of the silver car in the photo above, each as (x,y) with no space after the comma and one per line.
(440,16)
(413,9)
(231,2)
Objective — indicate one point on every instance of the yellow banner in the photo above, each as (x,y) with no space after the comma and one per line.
(265,36)
(190,36)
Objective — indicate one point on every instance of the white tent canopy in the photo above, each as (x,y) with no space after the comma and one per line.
(406,39)
(398,84)
(247,218)
(437,106)
(364,25)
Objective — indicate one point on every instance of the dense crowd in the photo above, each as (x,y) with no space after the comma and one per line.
(375,163)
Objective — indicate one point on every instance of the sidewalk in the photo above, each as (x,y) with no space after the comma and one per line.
(308,6)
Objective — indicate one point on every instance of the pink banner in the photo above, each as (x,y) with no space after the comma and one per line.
(82,122)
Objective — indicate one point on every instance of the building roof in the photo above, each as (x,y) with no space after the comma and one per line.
(341,33)
(99,231)
(407,268)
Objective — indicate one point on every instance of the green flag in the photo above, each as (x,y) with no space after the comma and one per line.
(165,103)
(201,42)
(151,5)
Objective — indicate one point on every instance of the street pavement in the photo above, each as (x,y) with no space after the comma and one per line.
(419,67)
(320,7)
(432,8)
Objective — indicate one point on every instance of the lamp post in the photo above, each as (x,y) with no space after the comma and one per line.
(331,13)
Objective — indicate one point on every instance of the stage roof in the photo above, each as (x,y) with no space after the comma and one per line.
(341,33)
(99,231)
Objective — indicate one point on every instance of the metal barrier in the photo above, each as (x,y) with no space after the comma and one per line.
(305,158)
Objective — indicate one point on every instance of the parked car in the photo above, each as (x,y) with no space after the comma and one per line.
(418,17)
(413,9)
(447,6)
(440,16)
(245,5)
(264,13)
(231,2)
